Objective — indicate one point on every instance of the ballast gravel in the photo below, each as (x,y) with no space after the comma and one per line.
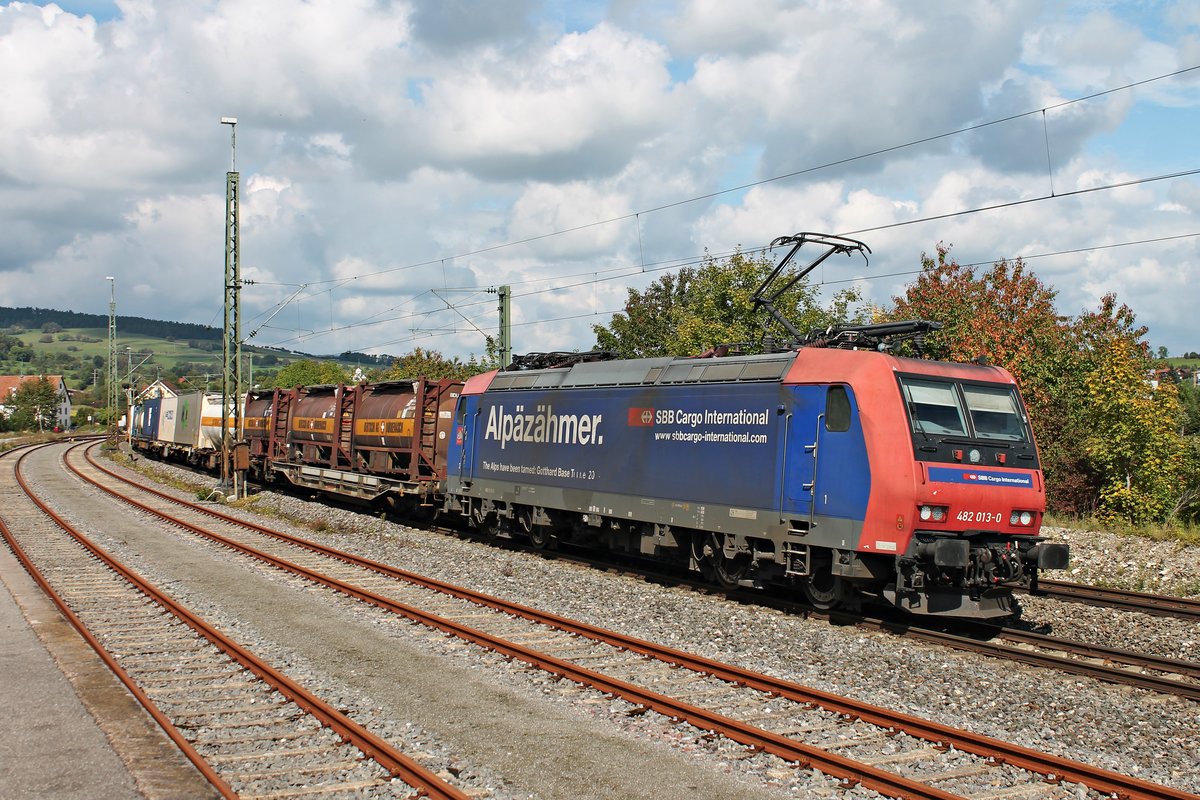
(1130,731)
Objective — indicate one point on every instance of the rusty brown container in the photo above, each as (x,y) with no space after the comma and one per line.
(314,416)
(402,428)
(385,416)
(446,393)
(256,418)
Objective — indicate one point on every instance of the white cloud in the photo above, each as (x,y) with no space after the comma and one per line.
(379,140)
(590,96)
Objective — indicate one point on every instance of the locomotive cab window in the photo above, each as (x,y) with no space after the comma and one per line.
(933,407)
(994,412)
(977,411)
(837,410)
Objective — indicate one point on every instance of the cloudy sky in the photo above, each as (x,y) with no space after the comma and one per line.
(399,158)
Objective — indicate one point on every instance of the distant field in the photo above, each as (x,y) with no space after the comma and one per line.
(71,354)
(164,353)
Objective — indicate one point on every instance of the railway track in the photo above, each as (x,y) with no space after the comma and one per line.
(251,730)
(1182,607)
(895,754)
(1148,671)
(1145,671)
(1012,642)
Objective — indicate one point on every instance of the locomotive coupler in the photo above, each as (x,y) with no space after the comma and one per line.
(946,552)
(1048,555)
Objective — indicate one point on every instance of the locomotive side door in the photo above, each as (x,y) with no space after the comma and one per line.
(842,476)
(804,408)
(460,456)
(827,476)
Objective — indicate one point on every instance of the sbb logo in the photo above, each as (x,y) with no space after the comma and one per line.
(641,417)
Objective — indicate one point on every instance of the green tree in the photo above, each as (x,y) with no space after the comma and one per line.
(700,307)
(1189,398)
(34,405)
(1187,505)
(309,372)
(427,364)
(1134,442)
(82,413)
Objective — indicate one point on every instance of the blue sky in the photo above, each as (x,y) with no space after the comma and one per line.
(101,10)
(389,149)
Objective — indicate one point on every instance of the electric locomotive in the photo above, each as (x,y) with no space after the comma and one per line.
(843,472)
(830,465)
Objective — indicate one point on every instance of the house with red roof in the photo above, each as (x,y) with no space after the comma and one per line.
(10,383)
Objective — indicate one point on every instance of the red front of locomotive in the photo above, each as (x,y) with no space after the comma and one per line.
(957,489)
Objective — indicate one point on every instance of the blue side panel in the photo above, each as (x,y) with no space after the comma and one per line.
(843,484)
(459,453)
(147,425)
(692,443)
(971,475)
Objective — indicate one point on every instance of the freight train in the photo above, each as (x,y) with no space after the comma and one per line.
(843,473)
(832,467)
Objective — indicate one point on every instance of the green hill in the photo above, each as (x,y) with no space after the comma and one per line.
(37,341)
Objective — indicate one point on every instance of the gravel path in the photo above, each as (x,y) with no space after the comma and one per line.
(1130,731)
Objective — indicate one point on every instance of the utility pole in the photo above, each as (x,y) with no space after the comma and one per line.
(505,340)
(231,351)
(111,401)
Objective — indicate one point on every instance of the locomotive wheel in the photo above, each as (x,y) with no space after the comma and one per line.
(728,571)
(822,587)
(725,572)
(538,535)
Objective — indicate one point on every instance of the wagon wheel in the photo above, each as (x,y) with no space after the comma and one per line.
(822,587)
(539,537)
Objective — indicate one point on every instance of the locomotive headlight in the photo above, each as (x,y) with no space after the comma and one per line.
(974,456)
(934,513)
(1022,518)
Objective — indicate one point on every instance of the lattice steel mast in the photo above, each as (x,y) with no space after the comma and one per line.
(112,388)
(231,350)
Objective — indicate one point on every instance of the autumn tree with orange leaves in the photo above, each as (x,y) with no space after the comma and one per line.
(1082,378)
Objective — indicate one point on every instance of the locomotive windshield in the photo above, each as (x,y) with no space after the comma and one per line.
(950,408)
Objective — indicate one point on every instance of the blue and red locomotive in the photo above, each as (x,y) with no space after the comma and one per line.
(842,472)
